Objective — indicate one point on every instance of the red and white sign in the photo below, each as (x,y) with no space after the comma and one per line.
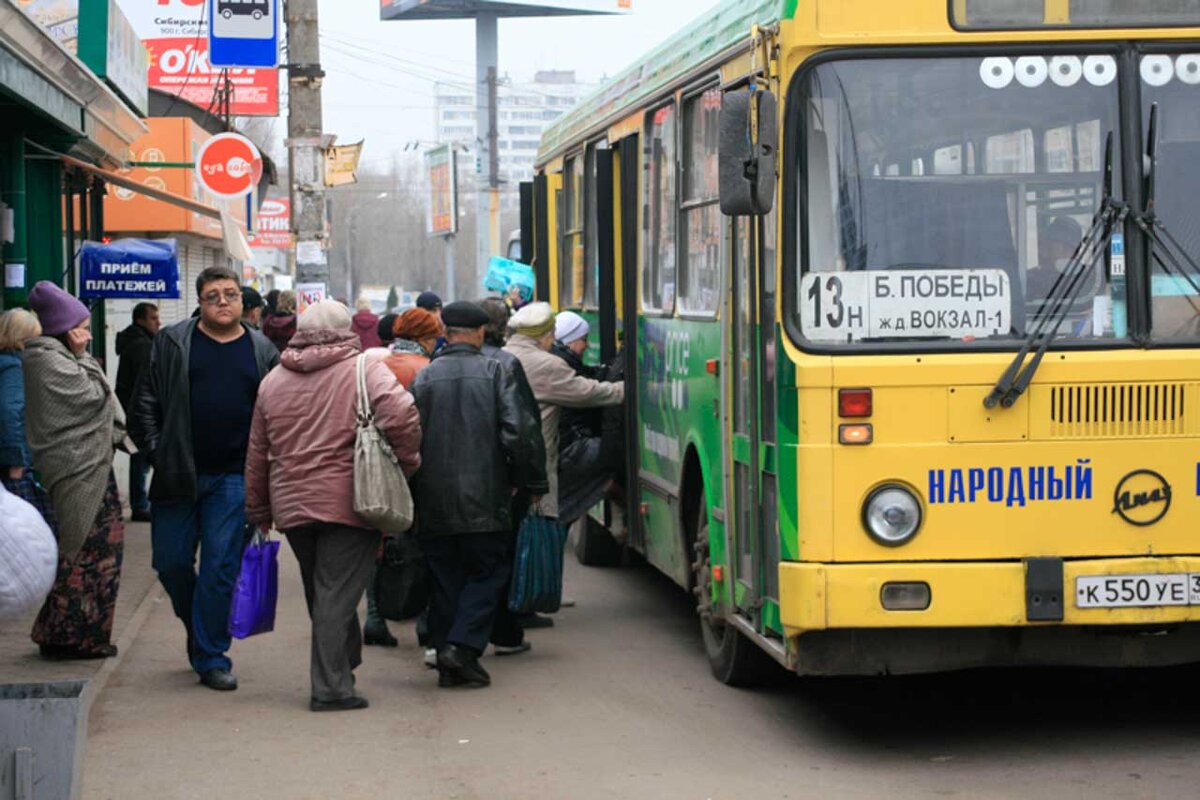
(179,66)
(274,224)
(229,165)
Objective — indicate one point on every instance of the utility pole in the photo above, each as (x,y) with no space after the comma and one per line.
(487,179)
(306,145)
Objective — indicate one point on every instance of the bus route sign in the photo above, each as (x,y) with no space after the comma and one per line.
(243,33)
(881,304)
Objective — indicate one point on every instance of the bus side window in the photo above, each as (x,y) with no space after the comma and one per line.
(658,272)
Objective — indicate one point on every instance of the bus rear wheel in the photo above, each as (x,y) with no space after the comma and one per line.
(735,660)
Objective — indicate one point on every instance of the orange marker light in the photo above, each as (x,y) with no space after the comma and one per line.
(718,573)
(856,434)
(712,366)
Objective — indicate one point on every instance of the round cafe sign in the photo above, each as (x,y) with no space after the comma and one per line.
(229,165)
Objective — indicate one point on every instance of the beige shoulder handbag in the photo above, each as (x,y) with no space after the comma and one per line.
(381,495)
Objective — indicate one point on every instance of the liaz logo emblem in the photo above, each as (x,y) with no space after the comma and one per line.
(1142,497)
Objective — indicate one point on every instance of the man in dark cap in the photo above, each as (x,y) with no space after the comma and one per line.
(481,443)
(433,304)
(430,302)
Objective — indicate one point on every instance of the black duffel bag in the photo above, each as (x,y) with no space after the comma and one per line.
(402,580)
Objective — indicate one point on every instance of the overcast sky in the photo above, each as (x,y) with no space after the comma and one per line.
(379,84)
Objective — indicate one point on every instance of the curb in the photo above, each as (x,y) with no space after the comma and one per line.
(100,680)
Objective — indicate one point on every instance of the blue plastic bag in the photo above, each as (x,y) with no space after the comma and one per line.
(538,567)
(253,609)
(503,274)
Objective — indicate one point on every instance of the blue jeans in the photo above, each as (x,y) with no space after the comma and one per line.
(138,467)
(213,525)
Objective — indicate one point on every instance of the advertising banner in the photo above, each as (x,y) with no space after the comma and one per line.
(129,268)
(274,224)
(175,33)
(441,170)
(59,17)
(396,9)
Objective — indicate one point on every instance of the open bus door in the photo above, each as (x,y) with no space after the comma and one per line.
(616,201)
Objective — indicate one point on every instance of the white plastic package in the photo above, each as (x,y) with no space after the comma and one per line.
(28,557)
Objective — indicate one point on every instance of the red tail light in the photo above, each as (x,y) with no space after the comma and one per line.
(854,403)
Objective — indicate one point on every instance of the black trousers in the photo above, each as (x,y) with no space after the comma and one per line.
(470,573)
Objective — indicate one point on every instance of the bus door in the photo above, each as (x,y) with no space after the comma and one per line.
(742,420)
(629,161)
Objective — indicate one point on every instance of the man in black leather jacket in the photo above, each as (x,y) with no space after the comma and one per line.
(191,417)
(481,444)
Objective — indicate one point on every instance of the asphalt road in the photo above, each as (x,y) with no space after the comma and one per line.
(617,702)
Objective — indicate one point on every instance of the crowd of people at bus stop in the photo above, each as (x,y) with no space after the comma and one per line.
(245,417)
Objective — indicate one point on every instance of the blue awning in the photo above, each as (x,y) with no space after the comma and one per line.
(141,269)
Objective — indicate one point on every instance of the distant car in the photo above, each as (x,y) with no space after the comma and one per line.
(244,8)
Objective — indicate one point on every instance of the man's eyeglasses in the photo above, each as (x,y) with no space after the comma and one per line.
(215,298)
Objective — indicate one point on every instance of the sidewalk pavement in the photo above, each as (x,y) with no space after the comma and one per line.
(156,733)
(19,659)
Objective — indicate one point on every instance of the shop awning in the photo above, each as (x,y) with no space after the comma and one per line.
(234,238)
(117,179)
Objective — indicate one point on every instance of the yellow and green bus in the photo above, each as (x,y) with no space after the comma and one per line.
(910,309)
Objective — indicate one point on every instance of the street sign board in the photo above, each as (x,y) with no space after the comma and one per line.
(134,268)
(229,165)
(110,47)
(459,9)
(243,33)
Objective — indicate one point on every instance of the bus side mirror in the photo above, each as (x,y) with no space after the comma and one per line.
(747,150)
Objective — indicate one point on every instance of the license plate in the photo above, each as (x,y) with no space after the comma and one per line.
(1137,591)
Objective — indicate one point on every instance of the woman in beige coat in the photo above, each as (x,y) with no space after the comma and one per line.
(554,384)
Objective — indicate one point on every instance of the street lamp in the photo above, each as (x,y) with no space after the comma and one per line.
(351,221)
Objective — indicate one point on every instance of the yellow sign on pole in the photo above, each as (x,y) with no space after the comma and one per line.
(341,164)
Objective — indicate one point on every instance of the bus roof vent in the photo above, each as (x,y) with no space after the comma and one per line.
(1116,410)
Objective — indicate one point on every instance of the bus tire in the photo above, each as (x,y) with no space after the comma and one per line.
(594,546)
(734,659)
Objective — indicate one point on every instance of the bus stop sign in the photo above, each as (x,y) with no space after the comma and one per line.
(243,33)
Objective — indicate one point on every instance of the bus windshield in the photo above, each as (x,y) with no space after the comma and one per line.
(1172,83)
(942,197)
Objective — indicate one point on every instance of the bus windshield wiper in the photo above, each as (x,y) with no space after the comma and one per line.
(1063,294)
(1165,249)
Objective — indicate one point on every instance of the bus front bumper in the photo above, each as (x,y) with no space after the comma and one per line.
(822,597)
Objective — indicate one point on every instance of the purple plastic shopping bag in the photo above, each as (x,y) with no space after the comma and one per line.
(253,608)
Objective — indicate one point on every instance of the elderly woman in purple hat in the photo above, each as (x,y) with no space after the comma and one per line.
(74,423)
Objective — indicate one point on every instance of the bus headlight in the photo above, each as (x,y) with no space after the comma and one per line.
(892,515)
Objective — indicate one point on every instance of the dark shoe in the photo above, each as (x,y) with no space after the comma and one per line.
(448,680)
(59,652)
(140,516)
(462,665)
(514,650)
(379,636)
(531,621)
(220,680)
(345,704)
